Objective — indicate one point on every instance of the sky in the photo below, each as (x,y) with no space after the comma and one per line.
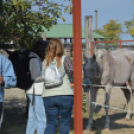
(121,10)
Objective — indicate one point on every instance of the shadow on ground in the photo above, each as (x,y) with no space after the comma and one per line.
(15,121)
(14,117)
(118,125)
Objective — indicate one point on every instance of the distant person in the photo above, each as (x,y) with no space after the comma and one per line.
(36,112)
(7,80)
(59,100)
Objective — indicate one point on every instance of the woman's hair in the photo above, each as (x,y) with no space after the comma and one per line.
(40,48)
(54,50)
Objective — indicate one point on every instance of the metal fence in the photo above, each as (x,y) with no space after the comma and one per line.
(113,47)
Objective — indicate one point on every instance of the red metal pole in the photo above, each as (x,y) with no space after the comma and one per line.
(120,44)
(77,35)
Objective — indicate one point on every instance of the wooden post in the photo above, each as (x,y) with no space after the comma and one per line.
(44,36)
(65,40)
(88,33)
(77,35)
(96,19)
(89,38)
(71,40)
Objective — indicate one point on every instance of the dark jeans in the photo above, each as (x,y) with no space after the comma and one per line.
(1,113)
(58,108)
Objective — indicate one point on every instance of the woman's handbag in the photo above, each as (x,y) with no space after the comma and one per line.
(52,77)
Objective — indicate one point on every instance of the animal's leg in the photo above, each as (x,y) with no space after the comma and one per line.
(127,94)
(93,93)
(132,86)
(107,98)
(133,100)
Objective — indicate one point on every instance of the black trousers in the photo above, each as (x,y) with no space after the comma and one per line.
(1,113)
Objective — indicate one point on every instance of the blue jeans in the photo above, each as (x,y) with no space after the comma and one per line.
(58,108)
(36,116)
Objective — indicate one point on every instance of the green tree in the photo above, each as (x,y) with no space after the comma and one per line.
(111,30)
(42,3)
(130,27)
(20,23)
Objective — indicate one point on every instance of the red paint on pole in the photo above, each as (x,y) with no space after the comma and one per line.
(120,44)
(77,35)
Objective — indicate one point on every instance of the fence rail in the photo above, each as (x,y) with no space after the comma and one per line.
(68,48)
(113,47)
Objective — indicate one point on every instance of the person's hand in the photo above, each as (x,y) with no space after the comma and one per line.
(1,80)
(72,85)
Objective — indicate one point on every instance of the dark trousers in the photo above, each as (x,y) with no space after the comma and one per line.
(1,113)
(58,108)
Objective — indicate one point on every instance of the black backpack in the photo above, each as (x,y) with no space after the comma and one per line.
(21,64)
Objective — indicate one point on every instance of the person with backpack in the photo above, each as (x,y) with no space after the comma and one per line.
(7,80)
(58,95)
(36,113)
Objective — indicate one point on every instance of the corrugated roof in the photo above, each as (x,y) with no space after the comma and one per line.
(65,31)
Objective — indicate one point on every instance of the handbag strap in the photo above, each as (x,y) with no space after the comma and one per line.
(62,63)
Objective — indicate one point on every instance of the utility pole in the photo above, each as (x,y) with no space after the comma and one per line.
(39,5)
(133,13)
(96,19)
(133,18)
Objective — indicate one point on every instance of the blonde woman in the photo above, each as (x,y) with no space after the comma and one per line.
(59,100)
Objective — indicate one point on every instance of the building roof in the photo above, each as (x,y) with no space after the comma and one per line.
(66,31)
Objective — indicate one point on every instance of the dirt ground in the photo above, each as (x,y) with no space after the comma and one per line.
(15,119)
(118,124)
